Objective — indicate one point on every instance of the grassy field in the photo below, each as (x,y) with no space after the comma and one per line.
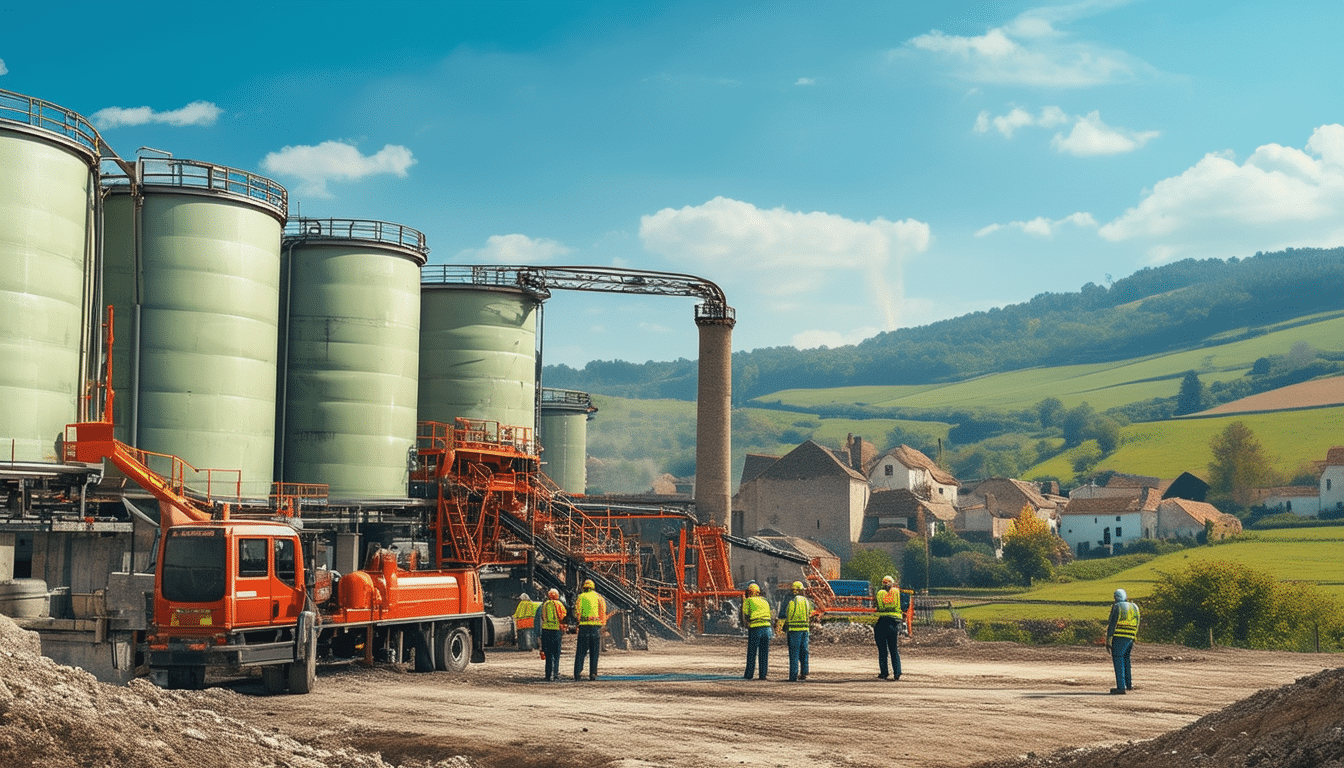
(1312,555)
(1101,385)
(1291,439)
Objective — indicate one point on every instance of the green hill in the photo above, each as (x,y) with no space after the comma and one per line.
(1062,386)
(1309,555)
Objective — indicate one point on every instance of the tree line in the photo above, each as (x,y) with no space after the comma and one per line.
(1154,310)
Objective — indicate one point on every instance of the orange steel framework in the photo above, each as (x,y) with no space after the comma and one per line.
(480,470)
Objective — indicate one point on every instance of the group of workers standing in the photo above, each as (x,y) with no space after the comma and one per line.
(793,617)
(550,616)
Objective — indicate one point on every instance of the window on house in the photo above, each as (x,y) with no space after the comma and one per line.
(818,525)
(890,470)
(1117,518)
(1117,532)
(1327,483)
(940,491)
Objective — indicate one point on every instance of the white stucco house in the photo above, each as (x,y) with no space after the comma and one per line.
(1108,523)
(905,468)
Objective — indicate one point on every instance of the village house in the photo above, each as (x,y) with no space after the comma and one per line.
(989,507)
(1308,500)
(1185,518)
(810,492)
(1109,522)
(907,468)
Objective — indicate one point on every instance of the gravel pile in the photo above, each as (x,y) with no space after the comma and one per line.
(54,716)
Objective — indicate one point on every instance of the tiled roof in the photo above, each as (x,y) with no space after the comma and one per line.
(755,465)
(1335,456)
(807,461)
(1114,505)
(1005,496)
(900,502)
(1199,510)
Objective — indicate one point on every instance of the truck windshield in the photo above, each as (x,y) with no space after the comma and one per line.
(193,566)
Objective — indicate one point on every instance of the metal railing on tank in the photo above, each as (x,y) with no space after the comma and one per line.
(17,108)
(195,174)
(384,232)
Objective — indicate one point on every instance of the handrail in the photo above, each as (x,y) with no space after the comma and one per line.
(52,118)
(384,232)
(197,174)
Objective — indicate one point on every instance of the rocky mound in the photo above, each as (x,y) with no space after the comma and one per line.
(1296,726)
(54,716)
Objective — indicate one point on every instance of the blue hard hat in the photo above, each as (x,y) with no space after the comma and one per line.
(1120,596)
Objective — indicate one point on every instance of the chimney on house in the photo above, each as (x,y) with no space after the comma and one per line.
(854,444)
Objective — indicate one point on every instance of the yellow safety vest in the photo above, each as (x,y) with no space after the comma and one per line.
(592,609)
(798,614)
(1126,621)
(552,613)
(525,613)
(889,602)
(756,611)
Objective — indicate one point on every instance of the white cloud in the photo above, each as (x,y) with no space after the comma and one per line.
(1041,226)
(314,166)
(201,113)
(806,81)
(513,249)
(1029,50)
(1050,117)
(788,255)
(1279,197)
(1090,137)
(3,69)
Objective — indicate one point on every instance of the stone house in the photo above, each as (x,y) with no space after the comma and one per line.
(810,492)
(989,507)
(1182,517)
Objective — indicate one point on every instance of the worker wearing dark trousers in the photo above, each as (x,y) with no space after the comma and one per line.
(888,628)
(550,617)
(592,615)
(756,615)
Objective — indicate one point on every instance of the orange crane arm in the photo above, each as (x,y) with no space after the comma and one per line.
(93,442)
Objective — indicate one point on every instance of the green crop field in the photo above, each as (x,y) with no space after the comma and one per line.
(1312,555)
(1291,439)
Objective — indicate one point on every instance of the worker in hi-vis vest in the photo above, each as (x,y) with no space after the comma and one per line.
(756,615)
(1121,631)
(522,621)
(795,616)
(888,628)
(550,616)
(591,611)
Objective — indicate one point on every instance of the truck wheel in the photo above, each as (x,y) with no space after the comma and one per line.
(303,674)
(186,678)
(452,652)
(275,678)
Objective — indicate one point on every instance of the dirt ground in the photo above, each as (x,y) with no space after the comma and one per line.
(958,704)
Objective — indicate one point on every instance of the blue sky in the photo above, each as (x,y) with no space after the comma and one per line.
(839,171)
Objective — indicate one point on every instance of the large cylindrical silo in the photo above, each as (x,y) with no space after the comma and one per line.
(478,353)
(48,165)
(562,433)
(351,355)
(192,265)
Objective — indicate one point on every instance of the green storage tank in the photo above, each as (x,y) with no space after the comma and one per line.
(48,183)
(192,266)
(562,433)
(478,355)
(351,293)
